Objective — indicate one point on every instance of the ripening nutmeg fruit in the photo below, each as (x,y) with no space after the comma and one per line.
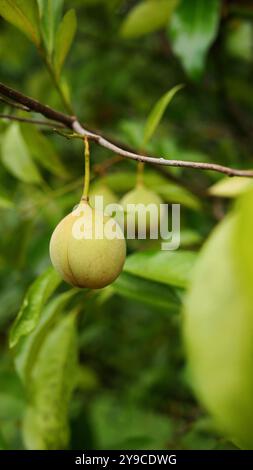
(102,191)
(88,248)
(146,197)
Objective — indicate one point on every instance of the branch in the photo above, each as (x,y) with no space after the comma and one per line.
(14,105)
(72,123)
(39,122)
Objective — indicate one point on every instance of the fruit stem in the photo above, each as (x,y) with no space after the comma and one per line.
(140,171)
(86,187)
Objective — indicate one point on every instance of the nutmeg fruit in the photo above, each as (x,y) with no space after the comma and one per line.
(88,248)
(144,196)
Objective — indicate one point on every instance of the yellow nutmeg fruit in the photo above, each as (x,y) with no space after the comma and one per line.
(142,197)
(103,191)
(88,248)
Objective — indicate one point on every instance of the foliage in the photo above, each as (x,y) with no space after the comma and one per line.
(109,366)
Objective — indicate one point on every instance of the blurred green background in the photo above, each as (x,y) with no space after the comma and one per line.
(130,387)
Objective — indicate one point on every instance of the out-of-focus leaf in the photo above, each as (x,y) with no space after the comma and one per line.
(28,348)
(243,241)
(230,187)
(52,383)
(193,28)
(157,112)
(147,17)
(3,444)
(34,300)
(217,302)
(147,292)
(168,267)
(43,151)
(50,14)
(24,15)
(189,238)
(64,39)
(12,396)
(16,157)
(122,425)
(5,203)
(239,39)
(170,192)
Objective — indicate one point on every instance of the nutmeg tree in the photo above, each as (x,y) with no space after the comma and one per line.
(144,102)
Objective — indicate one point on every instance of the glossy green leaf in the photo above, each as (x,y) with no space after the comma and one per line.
(193,28)
(168,267)
(147,292)
(27,350)
(157,113)
(43,151)
(53,380)
(64,39)
(34,300)
(50,14)
(218,333)
(148,16)
(16,156)
(230,187)
(24,15)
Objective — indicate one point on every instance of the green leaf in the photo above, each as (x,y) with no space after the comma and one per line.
(147,292)
(230,187)
(27,350)
(5,203)
(34,300)
(64,39)
(218,332)
(50,14)
(53,380)
(12,397)
(43,151)
(157,112)
(16,157)
(243,241)
(122,425)
(170,192)
(168,267)
(24,15)
(193,28)
(147,17)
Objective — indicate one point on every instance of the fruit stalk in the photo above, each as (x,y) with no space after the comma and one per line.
(86,187)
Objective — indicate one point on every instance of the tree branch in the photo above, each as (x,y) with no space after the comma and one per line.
(39,122)
(72,123)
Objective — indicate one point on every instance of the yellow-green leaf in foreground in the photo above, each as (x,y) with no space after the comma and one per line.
(218,331)
(24,15)
(148,16)
(64,39)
